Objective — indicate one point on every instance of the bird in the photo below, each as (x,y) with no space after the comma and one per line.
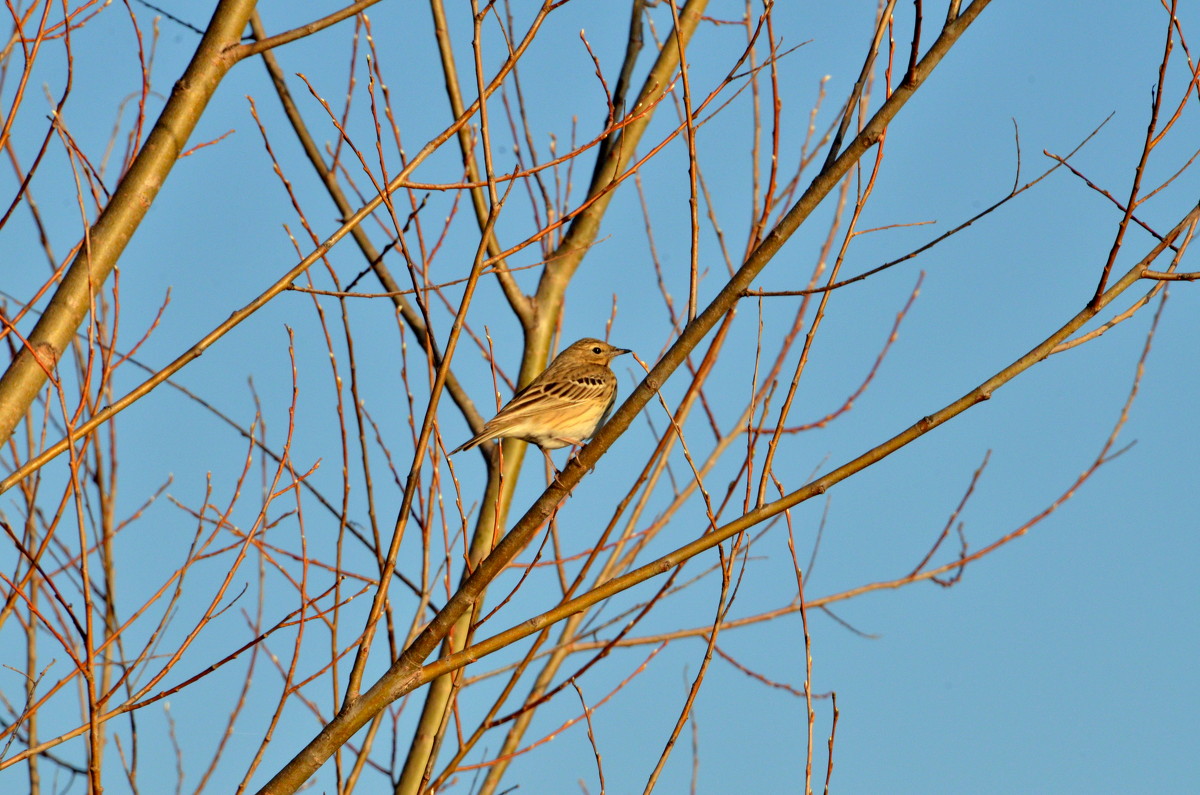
(562,406)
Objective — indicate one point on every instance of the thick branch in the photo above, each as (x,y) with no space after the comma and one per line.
(107,238)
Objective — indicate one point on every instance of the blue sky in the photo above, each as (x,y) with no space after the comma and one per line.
(1064,662)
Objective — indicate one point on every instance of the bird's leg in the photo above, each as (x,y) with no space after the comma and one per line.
(557,472)
(550,461)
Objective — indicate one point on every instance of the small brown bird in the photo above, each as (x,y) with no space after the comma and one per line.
(562,406)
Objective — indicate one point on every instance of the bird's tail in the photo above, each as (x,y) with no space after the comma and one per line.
(474,441)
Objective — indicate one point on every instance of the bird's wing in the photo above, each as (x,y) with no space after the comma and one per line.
(556,394)
(557,400)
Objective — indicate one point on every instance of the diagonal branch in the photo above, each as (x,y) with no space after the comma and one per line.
(819,486)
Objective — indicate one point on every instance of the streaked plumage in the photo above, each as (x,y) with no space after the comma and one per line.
(562,406)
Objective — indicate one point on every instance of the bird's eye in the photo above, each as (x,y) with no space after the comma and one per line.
(596,349)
